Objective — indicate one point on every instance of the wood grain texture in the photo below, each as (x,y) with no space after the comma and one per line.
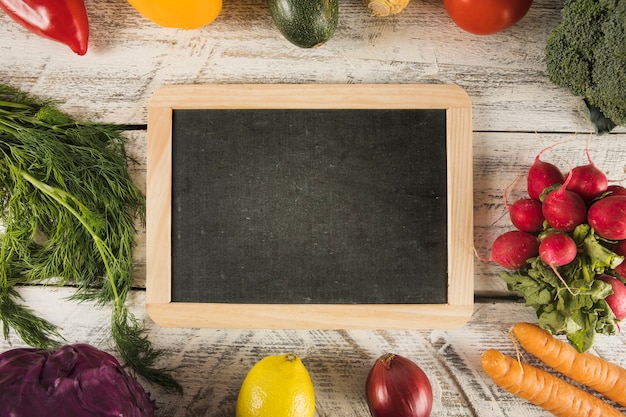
(129,58)
(498,164)
(211,364)
(312,96)
(500,159)
(516,112)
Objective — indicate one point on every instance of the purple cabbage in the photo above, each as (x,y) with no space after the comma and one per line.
(73,381)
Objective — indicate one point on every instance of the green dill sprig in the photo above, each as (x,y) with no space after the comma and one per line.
(137,350)
(68,207)
(33,330)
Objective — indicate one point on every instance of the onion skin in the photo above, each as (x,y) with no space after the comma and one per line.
(397,387)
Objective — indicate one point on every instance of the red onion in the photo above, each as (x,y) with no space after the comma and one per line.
(397,387)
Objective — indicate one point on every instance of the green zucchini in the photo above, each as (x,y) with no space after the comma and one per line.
(305,23)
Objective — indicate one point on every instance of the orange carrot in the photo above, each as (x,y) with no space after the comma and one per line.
(602,376)
(543,389)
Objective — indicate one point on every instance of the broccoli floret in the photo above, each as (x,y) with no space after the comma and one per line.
(609,78)
(586,53)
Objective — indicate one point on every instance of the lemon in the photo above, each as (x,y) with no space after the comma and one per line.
(277,386)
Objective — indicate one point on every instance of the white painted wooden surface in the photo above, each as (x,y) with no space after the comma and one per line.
(213,362)
(516,112)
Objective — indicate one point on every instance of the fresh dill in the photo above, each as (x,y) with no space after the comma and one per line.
(68,212)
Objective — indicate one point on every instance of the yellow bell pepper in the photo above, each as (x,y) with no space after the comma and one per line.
(182,14)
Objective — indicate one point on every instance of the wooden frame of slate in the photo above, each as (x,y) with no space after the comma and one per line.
(309,206)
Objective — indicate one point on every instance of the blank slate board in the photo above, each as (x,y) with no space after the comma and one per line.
(310,206)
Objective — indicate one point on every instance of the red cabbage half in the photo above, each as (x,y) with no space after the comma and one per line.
(73,381)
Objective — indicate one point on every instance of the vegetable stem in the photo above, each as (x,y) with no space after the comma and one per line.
(68,181)
(63,198)
(125,327)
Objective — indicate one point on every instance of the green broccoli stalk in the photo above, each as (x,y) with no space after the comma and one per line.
(586,53)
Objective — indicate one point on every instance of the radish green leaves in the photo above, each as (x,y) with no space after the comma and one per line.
(575,306)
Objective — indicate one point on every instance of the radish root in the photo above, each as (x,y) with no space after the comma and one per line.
(506,190)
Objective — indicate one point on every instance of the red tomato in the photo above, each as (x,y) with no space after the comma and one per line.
(484,17)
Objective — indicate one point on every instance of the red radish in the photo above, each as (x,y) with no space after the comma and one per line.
(526,215)
(616,190)
(607,216)
(617,300)
(512,249)
(542,175)
(564,209)
(588,181)
(557,249)
(620,249)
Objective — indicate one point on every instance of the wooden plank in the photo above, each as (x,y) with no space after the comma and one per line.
(158,201)
(211,363)
(460,218)
(129,58)
(315,96)
(504,74)
(500,159)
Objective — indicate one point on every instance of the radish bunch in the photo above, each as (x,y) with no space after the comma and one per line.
(566,254)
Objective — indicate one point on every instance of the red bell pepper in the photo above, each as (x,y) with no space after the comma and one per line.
(64,21)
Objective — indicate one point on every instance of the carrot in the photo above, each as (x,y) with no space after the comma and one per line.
(543,389)
(590,370)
